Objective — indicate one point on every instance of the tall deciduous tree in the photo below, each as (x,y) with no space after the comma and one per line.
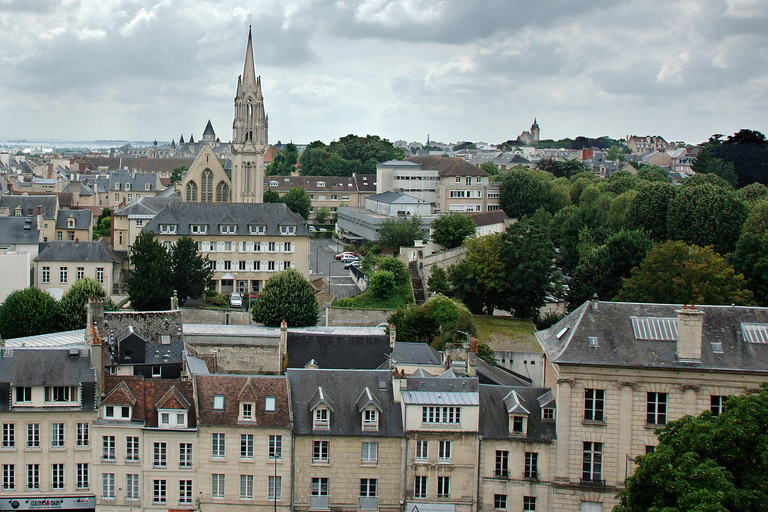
(298,201)
(401,231)
(438,281)
(479,280)
(270,196)
(705,463)
(177,172)
(72,307)
(649,209)
(28,312)
(451,229)
(191,272)
(523,192)
(674,272)
(149,287)
(286,296)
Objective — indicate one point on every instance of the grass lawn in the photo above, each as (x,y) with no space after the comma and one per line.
(507,333)
(402,297)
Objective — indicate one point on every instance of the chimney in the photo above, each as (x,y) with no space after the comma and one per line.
(50,170)
(472,364)
(283,352)
(39,209)
(690,322)
(392,336)
(77,240)
(595,302)
(174,301)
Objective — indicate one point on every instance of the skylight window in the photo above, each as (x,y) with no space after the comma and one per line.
(654,328)
(755,333)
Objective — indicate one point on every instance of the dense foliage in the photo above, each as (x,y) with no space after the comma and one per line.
(191,273)
(28,312)
(401,231)
(284,162)
(286,296)
(451,229)
(350,154)
(72,306)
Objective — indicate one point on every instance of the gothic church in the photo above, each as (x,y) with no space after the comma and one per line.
(207,181)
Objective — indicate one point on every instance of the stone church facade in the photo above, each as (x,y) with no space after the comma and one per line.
(242,181)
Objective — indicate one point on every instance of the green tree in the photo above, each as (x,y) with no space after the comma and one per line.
(28,312)
(528,256)
(270,196)
(490,168)
(561,168)
(298,201)
(286,296)
(673,272)
(438,281)
(437,321)
(401,231)
(382,283)
(177,172)
(649,209)
(746,150)
(705,463)
(523,192)
(149,286)
(72,306)
(451,229)
(103,226)
(752,193)
(322,214)
(191,273)
(479,279)
(652,173)
(397,267)
(284,162)
(750,258)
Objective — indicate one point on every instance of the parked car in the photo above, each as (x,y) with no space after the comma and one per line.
(355,264)
(236,300)
(348,257)
(342,254)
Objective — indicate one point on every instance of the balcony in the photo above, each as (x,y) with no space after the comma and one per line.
(319,502)
(531,475)
(369,503)
(593,482)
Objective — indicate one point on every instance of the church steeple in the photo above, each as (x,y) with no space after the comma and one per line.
(249,69)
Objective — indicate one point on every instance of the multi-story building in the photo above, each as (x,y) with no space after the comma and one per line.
(129,220)
(331,192)
(640,144)
(62,263)
(74,225)
(124,186)
(246,243)
(43,206)
(620,370)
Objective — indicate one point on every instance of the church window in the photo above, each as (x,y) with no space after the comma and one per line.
(206,187)
(192,192)
(222,192)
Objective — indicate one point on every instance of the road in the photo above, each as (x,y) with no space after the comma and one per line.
(322,260)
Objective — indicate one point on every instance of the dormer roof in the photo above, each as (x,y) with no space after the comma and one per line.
(173,399)
(320,397)
(120,395)
(365,399)
(515,404)
(248,392)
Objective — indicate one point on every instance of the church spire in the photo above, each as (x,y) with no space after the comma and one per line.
(249,70)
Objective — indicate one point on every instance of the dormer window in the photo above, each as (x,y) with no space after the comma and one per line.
(548,414)
(518,425)
(71,222)
(228,229)
(273,183)
(117,186)
(320,183)
(321,418)
(246,411)
(218,402)
(146,186)
(17,211)
(287,230)
(23,394)
(258,230)
(61,394)
(167,228)
(198,229)
(127,186)
(172,418)
(118,412)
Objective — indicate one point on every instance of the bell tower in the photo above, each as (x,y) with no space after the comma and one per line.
(249,134)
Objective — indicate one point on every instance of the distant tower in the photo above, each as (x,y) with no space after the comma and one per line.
(249,134)
(209,136)
(535,130)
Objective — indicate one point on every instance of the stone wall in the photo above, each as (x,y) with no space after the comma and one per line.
(215,316)
(241,356)
(442,259)
(356,317)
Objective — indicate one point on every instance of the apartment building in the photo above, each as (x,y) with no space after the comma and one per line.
(42,206)
(128,220)
(246,243)
(74,225)
(62,263)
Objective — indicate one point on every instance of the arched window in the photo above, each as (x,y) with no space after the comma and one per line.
(222,192)
(191,192)
(206,187)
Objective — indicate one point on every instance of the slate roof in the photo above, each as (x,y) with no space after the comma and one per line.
(447,166)
(366,182)
(415,353)
(488,218)
(148,393)
(19,230)
(47,367)
(494,415)
(29,204)
(273,215)
(82,219)
(231,387)
(138,180)
(420,382)
(616,345)
(390,197)
(146,205)
(333,184)
(344,388)
(499,375)
(83,251)
(339,351)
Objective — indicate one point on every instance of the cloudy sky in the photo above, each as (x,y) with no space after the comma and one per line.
(454,69)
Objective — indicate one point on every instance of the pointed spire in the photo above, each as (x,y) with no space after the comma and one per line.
(209,129)
(249,70)
(181,140)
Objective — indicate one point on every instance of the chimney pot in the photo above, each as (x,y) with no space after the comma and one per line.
(690,323)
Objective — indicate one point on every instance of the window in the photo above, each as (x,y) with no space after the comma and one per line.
(63,274)
(132,449)
(83,434)
(159,491)
(657,409)
(502,463)
(443,487)
(100,275)
(33,476)
(33,435)
(500,501)
(422,451)
(9,477)
(108,448)
(529,503)
(420,487)
(287,230)
(594,404)
(458,179)
(229,229)
(368,487)
(108,486)
(185,455)
(319,486)
(444,451)
(198,229)
(168,228)
(217,485)
(716,404)
(531,465)
(548,414)
(46,275)
(246,446)
(218,402)
(82,476)
(518,425)
(258,230)
(132,487)
(321,416)
(592,462)
(185,491)
(9,435)
(80,273)
(57,435)
(320,451)
(61,393)
(157,372)
(370,418)
(275,488)
(370,452)
(217,446)
(246,487)
(275,447)
(158,455)
(441,414)
(23,394)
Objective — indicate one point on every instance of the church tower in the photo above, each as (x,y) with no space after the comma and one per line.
(249,135)
(535,132)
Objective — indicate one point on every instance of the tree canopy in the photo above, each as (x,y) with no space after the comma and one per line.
(28,312)
(705,463)
(479,278)
(451,229)
(401,231)
(177,172)
(149,286)
(287,296)
(284,162)
(350,154)
(191,272)
(746,151)
(72,306)
(298,201)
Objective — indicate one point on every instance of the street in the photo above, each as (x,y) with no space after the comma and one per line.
(322,260)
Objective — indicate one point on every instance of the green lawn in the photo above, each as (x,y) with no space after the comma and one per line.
(507,333)
(366,300)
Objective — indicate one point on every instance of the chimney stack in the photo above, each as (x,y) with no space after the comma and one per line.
(595,302)
(392,336)
(690,323)
(39,209)
(283,350)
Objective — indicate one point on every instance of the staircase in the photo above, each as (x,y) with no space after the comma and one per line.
(416,283)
